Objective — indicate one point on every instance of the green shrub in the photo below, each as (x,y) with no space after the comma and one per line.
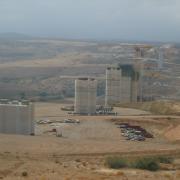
(165,160)
(24,173)
(116,162)
(147,163)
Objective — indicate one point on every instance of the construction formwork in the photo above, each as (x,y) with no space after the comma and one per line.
(16,117)
(121,84)
(131,71)
(113,86)
(134,90)
(85,96)
(125,90)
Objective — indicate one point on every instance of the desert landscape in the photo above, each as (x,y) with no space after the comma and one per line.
(39,69)
(89,90)
(44,70)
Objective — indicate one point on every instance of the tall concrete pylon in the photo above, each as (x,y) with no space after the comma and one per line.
(85,96)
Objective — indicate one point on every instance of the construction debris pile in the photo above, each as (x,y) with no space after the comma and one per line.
(133,133)
(55,127)
(47,121)
(67,108)
(102,110)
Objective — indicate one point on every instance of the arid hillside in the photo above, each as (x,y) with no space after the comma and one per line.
(157,107)
(38,68)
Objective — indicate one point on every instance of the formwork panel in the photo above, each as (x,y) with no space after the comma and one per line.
(16,118)
(126,90)
(113,89)
(85,96)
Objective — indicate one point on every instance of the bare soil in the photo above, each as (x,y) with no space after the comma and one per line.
(81,152)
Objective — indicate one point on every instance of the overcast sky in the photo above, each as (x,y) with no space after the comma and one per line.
(151,20)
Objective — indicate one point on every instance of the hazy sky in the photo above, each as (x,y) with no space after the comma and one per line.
(97,19)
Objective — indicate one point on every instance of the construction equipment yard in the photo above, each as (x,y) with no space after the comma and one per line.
(81,151)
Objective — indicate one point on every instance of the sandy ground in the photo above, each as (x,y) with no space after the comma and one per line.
(54,109)
(173,133)
(81,152)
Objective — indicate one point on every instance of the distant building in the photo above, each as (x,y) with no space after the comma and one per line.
(16,117)
(161,59)
(151,64)
(85,96)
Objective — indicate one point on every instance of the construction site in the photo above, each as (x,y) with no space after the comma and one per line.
(116,113)
(76,145)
